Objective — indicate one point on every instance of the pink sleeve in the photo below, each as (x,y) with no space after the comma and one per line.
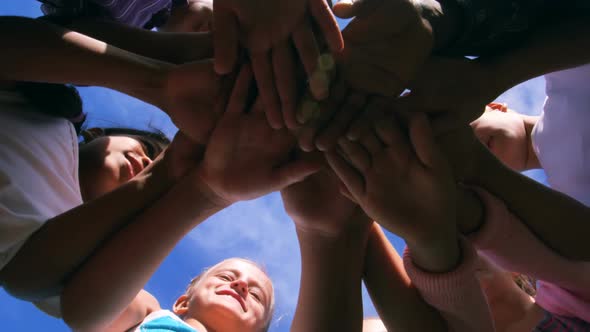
(457,294)
(564,286)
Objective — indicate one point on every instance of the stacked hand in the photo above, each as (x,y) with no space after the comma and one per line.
(267,29)
(245,158)
(406,185)
(316,206)
(456,91)
(194,97)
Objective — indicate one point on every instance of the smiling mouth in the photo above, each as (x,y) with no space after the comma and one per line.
(236,296)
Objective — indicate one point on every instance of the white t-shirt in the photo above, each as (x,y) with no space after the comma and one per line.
(561,137)
(38,171)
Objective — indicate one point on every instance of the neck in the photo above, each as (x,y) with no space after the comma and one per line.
(200,327)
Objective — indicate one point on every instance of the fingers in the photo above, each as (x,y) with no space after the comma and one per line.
(320,10)
(351,178)
(423,140)
(337,127)
(306,46)
(284,70)
(293,172)
(240,93)
(375,109)
(326,111)
(352,8)
(225,40)
(356,154)
(263,73)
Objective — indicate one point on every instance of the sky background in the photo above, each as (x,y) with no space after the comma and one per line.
(259,229)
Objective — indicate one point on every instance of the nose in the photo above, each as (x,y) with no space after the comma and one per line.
(145,161)
(240,286)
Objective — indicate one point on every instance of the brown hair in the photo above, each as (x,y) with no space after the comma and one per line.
(154,142)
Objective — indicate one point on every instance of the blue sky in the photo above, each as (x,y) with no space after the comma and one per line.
(259,229)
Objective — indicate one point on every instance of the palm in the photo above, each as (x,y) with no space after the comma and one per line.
(398,210)
(316,203)
(242,156)
(386,43)
(462,99)
(193,98)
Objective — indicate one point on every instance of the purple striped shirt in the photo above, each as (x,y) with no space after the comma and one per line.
(136,13)
(555,323)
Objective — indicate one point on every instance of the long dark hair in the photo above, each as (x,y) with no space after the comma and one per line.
(57,100)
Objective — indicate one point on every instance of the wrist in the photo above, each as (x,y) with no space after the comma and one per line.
(355,229)
(470,211)
(443,17)
(437,256)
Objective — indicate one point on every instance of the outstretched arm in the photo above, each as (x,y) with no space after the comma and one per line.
(332,233)
(70,57)
(215,183)
(172,47)
(558,220)
(389,286)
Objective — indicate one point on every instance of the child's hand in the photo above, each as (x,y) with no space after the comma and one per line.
(504,133)
(245,158)
(455,90)
(196,16)
(386,43)
(194,97)
(316,205)
(268,29)
(406,186)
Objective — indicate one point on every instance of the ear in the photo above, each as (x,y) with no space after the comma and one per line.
(181,305)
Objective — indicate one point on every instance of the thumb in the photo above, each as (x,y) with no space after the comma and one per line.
(352,8)
(423,141)
(293,172)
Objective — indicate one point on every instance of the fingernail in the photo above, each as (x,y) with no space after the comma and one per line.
(326,62)
(319,85)
(308,110)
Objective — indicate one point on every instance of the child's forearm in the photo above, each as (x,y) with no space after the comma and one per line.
(330,289)
(131,256)
(63,243)
(165,46)
(553,47)
(556,219)
(389,286)
(38,51)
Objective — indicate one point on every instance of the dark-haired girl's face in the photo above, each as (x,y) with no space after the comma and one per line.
(108,162)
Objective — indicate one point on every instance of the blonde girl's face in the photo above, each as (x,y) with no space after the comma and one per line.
(234,295)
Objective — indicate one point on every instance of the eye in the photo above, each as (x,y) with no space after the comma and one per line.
(225,277)
(256,296)
(148,148)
